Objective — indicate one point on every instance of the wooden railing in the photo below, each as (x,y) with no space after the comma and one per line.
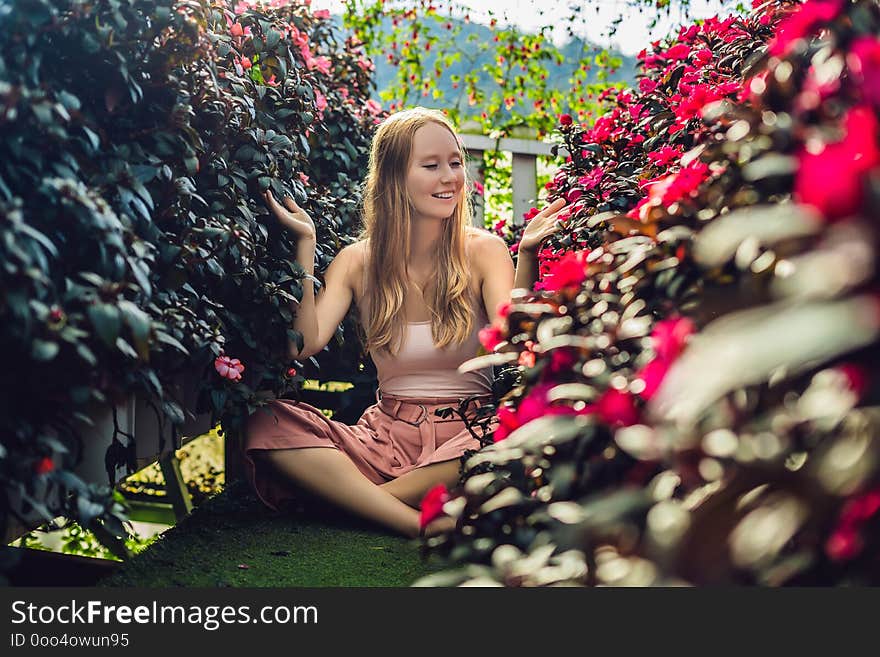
(524,176)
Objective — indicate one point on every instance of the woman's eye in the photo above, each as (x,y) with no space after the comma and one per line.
(430,166)
(456,164)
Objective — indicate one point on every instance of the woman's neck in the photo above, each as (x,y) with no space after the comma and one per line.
(423,241)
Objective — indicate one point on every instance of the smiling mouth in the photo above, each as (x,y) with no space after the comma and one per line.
(446,196)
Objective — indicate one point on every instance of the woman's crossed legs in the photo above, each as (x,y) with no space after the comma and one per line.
(332,475)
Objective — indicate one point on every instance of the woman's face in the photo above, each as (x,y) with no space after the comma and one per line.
(435,178)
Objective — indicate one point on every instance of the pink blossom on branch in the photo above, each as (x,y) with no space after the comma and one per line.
(229,368)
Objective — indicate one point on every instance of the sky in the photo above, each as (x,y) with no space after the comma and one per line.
(632,36)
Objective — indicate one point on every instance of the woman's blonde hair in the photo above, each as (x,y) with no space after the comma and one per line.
(388,217)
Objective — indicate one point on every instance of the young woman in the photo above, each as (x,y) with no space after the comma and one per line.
(424,282)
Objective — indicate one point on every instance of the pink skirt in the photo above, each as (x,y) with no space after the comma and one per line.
(391,438)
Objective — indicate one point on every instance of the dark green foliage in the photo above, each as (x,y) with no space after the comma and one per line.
(136,137)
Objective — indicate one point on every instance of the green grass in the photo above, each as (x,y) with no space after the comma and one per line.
(316,547)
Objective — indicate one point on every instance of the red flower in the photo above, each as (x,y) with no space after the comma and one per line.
(678,51)
(569,271)
(565,119)
(432,504)
(832,180)
(291,371)
(856,377)
(236,30)
(44,466)
(230,368)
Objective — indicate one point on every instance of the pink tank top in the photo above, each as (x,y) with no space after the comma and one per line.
(420,370)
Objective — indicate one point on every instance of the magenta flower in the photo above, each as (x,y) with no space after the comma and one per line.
(678,52)
(592,178)
(229,368)
(833,179)
(617,408)
(647,85)
(432,504)
(668,340)
(665,156)
(568,271)
(491,337)
(670,336)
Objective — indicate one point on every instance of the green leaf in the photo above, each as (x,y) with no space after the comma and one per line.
(105,318)
(44,350)
(139,323)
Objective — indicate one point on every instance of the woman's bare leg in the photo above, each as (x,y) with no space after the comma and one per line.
(332,475)
(411,487)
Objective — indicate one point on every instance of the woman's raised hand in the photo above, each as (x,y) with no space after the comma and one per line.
(291,216)
(541,226)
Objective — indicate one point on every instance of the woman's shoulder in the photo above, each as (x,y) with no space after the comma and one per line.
(484,247)
(354,257)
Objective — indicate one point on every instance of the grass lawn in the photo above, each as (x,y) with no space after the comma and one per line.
(233,540)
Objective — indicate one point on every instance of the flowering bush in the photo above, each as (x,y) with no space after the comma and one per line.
(699,408)
(135,139)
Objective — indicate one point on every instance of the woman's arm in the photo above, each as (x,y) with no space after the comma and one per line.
(495,266)
(316,320)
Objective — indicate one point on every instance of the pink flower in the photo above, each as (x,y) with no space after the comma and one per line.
(670,336)
(668,340)
(569,271)
(321,63)
(491,337)
(320,102)
(304,178)
(229,368)
(432,504)
(373,107)
(833,180)
(246,63)
(236,30)
(479,190)
(322,14)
